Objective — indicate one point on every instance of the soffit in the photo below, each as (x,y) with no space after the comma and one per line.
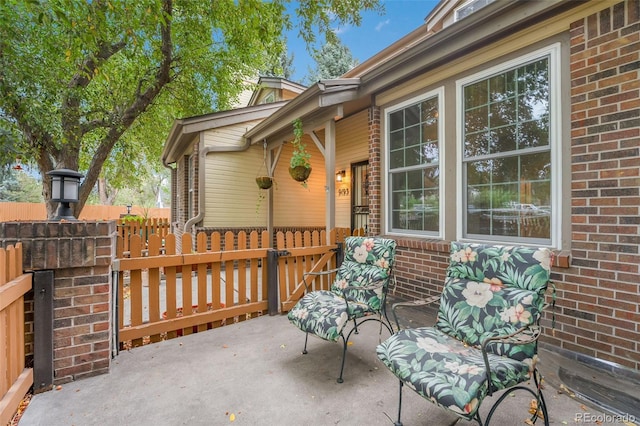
(183,130)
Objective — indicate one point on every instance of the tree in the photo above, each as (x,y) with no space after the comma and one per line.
(332,60)
(19,186)
(282,67)
(95,85)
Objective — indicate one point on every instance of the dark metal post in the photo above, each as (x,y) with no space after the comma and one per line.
(42,331)
(272,281)
(339,254)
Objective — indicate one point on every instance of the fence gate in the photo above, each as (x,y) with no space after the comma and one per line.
(15,379)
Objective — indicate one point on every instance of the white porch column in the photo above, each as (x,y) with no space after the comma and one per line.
(330,172)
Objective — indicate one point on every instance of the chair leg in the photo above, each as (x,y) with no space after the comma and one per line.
(542,406)
(344,355)
(306,338)
(398,422)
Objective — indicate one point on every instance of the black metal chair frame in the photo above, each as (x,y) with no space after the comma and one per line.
(522,336)
(381,317)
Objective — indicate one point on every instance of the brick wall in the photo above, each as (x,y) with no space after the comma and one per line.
(80,255)
(599,295)
(375,170)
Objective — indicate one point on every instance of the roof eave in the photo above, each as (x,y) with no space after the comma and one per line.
(325,93)
(182,131)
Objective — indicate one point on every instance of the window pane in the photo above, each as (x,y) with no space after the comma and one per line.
(412,115)
(396,140)
(414,146)
(479,172)
(397,159)
(505,170)
(508,190)
(476,119)
(476,144)
(396,121)
(533,134)
(475,94)
(430,153)
(503,139)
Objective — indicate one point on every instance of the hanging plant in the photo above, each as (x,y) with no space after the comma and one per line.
(299,165)
(264,180)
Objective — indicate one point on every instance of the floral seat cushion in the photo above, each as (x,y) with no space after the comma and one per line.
(358,290)
(446,371)
(489,291)
(324,313)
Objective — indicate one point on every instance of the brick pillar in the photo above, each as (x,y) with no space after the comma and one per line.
(375,169)
(80,255)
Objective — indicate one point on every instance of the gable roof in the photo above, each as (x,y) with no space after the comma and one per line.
(184,129)
(275,83)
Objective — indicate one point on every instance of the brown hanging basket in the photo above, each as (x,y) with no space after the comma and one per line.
(264,182)
(300,173)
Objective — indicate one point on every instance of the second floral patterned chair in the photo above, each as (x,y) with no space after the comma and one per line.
(357,295)
(485,336)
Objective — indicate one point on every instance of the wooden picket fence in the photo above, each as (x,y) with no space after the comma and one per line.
(220,286)
(15,379)
(128,227)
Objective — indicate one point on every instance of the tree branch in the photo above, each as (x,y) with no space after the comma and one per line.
(140,103)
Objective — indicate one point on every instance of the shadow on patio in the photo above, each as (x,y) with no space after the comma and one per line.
(253,373)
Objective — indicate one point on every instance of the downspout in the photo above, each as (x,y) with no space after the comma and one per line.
(173,195)
(202,154)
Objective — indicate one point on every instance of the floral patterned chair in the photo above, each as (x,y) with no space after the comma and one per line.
(485,336)
(357,295)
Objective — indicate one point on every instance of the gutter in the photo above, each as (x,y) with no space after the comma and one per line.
(203,151)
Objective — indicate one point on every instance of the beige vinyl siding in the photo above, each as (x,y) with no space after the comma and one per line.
(293,204)
(352,146)
(228,136)
(231,192)
(230,189)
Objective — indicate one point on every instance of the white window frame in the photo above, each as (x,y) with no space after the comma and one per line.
(555,145)
(387,205)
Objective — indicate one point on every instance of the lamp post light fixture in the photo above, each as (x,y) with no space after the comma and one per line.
(64,190)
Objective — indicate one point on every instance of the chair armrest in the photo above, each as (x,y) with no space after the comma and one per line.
(330,271)
(522,336)
(319,273)
(412,303)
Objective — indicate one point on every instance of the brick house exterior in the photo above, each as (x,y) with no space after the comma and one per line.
(595,220)
(596,215)
(598,296)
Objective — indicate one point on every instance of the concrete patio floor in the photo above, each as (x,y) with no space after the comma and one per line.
(253,373)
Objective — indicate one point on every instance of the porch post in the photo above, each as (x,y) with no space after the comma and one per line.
(330,170)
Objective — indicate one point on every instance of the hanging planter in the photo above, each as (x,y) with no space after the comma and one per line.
(300,173)
(264,182)
(299,165)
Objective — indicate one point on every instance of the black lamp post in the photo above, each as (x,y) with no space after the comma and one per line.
(64,190)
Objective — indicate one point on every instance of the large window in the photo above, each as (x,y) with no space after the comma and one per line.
(507,151)
(413,164)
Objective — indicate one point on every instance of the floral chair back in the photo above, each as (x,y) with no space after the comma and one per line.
(367,261)
(493,290)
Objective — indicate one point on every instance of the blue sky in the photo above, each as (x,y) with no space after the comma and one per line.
(374,34)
